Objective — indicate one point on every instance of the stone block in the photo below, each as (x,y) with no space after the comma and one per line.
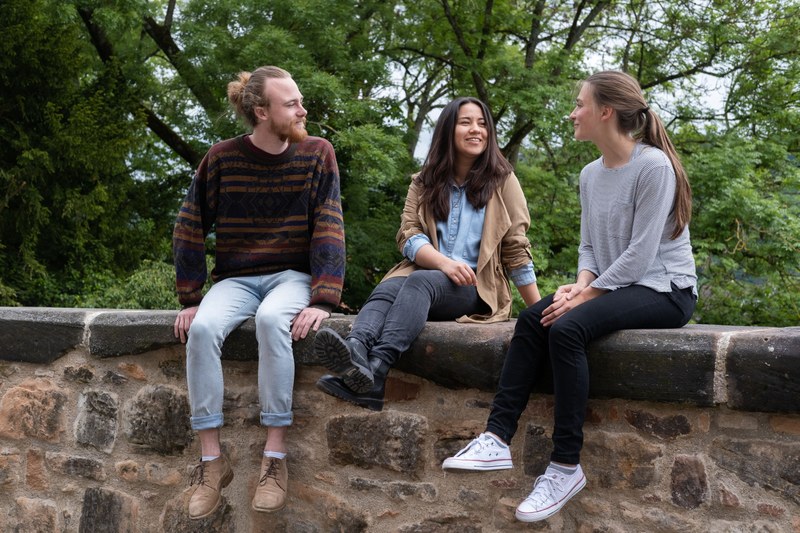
(689,482)
(772,465)
(10,468)
(763,370)
(70,465)
(666,365)
(108,510)
(39,334)
(619,461)
(664,428)
(35,516)
(536,451)
(35,409)
(444,523)
(390,439)
(96,422)
(122,332)
(459,355)
(158,418)
(396,490)
(312,510)
(35,471)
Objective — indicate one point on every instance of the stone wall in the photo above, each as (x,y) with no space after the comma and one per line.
(696,429)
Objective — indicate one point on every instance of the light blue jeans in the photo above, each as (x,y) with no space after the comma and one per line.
(274,300)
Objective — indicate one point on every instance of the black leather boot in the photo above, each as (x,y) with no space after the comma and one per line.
(372,399)
(346,357)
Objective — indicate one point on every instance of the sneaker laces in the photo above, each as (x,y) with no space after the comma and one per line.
(480,443)
(546,490)
(271,472)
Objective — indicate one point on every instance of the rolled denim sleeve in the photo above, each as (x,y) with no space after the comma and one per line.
(524,275)
(413,244)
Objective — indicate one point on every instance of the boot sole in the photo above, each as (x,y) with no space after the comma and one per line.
(334,355)
(333,390)
(265,510)
(224,483)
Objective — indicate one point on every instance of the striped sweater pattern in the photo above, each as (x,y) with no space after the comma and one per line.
(268,213)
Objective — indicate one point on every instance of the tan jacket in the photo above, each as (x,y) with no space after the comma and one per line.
(504,244)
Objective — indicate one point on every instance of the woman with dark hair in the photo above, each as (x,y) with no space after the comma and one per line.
(635,270)
(463,231)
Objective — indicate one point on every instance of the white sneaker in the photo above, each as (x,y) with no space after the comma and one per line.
(483,453)
(550,492)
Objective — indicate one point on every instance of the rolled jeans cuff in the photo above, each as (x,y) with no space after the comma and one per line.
(206,422)
(276,419)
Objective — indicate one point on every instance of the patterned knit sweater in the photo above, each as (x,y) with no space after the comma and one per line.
(269,213)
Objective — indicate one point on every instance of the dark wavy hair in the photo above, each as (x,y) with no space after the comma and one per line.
(486,174)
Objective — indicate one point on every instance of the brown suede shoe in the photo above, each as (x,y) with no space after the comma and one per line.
(271,489)
(210,477)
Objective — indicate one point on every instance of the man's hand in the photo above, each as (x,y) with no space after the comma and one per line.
(183,321)
(308,319)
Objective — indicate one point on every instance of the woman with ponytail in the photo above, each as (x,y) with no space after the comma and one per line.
(635,270)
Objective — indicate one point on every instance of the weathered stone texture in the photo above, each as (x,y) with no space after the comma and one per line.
(162,475)
(673,365)
(390,440)
(114,333)
(175,518)
(108,511)
(764,370)
(537,450)
(35,516)
(69,465)
(443,524)
(396,490)
(664,428)
(158,418)
(620,460)
(767,464)
(96,423)
(35,472)
(10,467)
(689,482)
(38,334)
(127,470)
(79,374)
(35,409)
(314,510)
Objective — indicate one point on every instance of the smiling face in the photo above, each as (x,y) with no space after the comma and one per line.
(286,116)
(471,132)
(586,115)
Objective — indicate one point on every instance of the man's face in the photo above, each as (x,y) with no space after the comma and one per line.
(286,116)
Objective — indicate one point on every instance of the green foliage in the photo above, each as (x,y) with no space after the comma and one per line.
(107,108)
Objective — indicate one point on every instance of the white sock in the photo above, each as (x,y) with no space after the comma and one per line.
(568,470)
(209,457)
(276,455)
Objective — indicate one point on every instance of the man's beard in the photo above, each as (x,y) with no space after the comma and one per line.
(292,132)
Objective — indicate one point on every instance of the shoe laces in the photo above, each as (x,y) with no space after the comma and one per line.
(198,475)
(271,472)
(546,489)
(479,444)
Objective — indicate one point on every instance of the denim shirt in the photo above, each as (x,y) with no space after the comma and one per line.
(460,236)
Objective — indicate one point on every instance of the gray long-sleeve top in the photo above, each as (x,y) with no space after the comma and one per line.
(626,223)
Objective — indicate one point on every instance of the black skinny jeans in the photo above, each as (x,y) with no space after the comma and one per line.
(565,343)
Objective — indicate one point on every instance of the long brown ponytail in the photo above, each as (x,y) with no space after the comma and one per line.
(622,92)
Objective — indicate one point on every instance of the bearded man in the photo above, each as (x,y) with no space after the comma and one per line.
(272,199)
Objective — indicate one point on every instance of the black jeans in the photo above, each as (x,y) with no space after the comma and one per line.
(564,345)
(396,311)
